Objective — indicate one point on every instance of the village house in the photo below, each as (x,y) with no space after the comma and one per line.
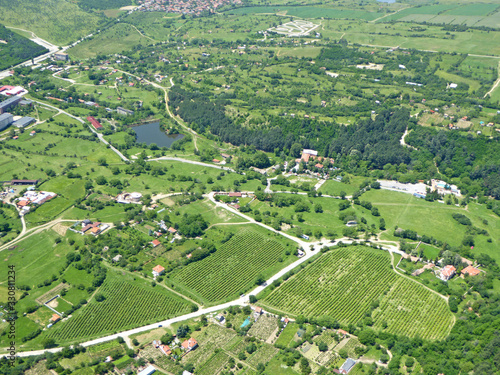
(471,271)
(158,271)
(165,349)
(258,311)
(220,318)
(447,272)
(189,345)
(155,243)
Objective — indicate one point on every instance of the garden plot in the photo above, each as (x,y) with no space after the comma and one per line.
(264,327)
(294,28)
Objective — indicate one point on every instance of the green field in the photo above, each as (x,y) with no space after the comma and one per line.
(116,39)
(58,21)
(345,282)
(406,211)
(308,12)
(234,267)
(127,305)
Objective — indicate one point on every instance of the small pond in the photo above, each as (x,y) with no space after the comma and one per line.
(151,133)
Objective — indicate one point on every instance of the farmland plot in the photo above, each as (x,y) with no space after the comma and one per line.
(345,282)
(264,327)
(126,305)
(232,268)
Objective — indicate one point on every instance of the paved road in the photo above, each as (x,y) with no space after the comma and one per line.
(33,231)
(310,249)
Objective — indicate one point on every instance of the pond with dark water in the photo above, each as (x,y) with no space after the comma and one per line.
(151,133)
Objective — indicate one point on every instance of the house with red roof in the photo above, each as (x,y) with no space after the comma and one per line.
(55,318)
(158,270)
(165,349)
(96,124)
(190,344)
(471,271)
(155,243)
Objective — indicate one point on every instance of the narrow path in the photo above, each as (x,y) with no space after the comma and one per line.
(389,14)
(415,281)
(495,85)
(140,32)
(99,135)
(32,231)
(192,162)
(402,140)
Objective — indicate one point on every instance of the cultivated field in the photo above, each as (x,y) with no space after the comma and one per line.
(126,305)
(345,282)
(233,268)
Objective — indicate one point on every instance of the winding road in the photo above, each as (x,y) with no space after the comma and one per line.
(310,249)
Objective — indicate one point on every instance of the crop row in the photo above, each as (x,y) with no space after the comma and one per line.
(234,266)
(341,284)
(344,283)
(125,305)
(424,314)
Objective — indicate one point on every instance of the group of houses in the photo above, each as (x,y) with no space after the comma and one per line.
(170,350)
(195,7)
(33,198)
(449,271)
(87,226)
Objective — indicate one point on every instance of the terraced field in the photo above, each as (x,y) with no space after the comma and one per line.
(345,282)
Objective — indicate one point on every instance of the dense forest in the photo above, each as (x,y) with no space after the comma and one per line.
(465,157)
(15,48)
(376,141)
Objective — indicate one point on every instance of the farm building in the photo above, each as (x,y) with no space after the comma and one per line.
(342,333)
(471,271)
(125,112)
(96,124)
(55,318)
(155,243)
(147,371)
(258,311)
(23,122)
(308,154)
(116,258)
(24,182)
(5,120)
(158,270)
(61,56)
(9,103)
(347,366)
(447,272)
